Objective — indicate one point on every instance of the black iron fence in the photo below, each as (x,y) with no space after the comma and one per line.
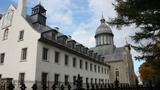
(8,84)
(88,87)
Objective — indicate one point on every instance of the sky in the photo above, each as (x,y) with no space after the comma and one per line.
(79,19)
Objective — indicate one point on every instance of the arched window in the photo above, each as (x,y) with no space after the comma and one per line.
(101,40)
(117,74)
(111,40)
(108,40)
(105,40)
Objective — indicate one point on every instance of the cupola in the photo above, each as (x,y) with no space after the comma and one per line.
(104,35)
(39,14)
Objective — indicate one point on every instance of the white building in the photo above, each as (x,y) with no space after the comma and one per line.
(31,51)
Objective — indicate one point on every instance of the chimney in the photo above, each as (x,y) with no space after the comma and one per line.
(22,7)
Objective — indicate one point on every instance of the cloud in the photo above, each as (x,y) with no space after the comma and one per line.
(83,36)
(81,18)
(58,11)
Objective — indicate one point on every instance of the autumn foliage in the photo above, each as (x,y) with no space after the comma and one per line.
(147,72)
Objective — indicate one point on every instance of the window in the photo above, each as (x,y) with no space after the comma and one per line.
(87,80)
(5,35)
(102,81)
(98,69)
(21,78)
(91,80)
(66,77)
(95,68)
(86,65)
(106,80)
(54,36)
(24,54)
(96,80)
(56,57)
(81,64)
(99,81)
(91,67)
(74,62)
(56,78)
(117,74)
(102,69)
(105,70)
(44,78)
(45,54)
(0,76)
(2,55)
(66,60)
(74,80)
(21,35)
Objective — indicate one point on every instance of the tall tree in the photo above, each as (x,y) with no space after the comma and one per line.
(148,72)
(145,14)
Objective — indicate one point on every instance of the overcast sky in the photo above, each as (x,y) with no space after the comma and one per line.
(79,19)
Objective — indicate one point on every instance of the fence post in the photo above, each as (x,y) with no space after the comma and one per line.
(79,82)
(34,87)
(97,86)
(44,87)
(54,87)
(105,86)
(10,86)
(109,86)
(23,87)
(92,87)
(69,87)
(87,85)
(62,87)
(150,86)
(116,82)
(101,87)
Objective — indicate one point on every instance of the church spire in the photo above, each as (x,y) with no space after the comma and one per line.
(102,19)
(40,3)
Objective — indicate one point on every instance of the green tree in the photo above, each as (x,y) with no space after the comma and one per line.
(145,14)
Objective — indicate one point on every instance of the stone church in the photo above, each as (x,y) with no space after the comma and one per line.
(119,58)
(33,52)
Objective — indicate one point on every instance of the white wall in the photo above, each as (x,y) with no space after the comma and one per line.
(12,49)
(51,67)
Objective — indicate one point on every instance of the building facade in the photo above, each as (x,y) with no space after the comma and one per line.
(32,52)
(119,58)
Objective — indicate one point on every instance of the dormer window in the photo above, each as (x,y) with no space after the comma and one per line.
(62,39)
(90,53)
(71,44)
(95,55)
(21,35)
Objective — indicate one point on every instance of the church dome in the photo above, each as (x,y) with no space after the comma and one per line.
(104,35)
(103,28)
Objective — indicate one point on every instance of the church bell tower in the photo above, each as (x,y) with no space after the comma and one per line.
(39,15)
